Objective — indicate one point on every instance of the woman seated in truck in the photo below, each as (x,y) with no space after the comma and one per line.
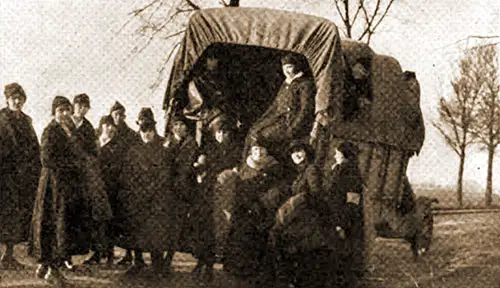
(256,194)
(318,221)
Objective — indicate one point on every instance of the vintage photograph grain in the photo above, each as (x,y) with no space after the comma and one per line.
(250,143)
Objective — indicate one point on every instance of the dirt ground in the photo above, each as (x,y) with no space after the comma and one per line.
(464,254)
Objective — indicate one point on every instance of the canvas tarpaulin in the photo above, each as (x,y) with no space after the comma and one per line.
(315,38)
(393,116)
(254,38)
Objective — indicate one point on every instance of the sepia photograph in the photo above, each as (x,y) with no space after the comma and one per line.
(250,143)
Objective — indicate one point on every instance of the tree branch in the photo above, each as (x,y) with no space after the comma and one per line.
(453,145)
(451,120)
(136,12)
(361,3)
(159,77)
(369,20)
(338,10)
(192,5)
(383,15)
(173,34)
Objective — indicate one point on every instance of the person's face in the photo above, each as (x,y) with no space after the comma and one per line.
(180,129)
(359,72)
(298,156)
(80,110)
(63,113)
(339,156)
(108,130)
(258,153)
(221,136)
(147,136)
(289,70)
(212,63)
(16,102)
(118,116)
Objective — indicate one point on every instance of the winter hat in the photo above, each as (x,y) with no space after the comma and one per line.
(227,126)
(349,150)
(59,101)
(260,142)
(146,119)
(117,106)
(82,99)
(107,119)
(178,118)
(14,88)
(298,145)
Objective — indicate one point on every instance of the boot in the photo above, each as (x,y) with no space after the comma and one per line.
(54,277)
(157,261)
(167,263)
(8,262)
(41,271)
(127,260)
(111,256)
(208,276)
(95,259)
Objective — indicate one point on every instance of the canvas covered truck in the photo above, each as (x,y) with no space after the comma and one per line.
(362,97)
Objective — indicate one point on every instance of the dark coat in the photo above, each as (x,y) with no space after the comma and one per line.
(340,180)
(250,220)
(212,85)
(126,136)
(189,195)
(149,204)
(94,184)
(290,116)
(185,153)
(89,137)
(62,214)
(20,170)
(318,208)
(111,158)
(208,224)
(226,156)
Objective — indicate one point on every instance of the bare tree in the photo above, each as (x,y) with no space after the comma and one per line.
(457,115)
(486,128)
(362,15)
(165,19)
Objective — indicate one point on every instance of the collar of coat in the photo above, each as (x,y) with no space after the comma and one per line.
(7,114)
(290,80)
(78,123)
(261,164)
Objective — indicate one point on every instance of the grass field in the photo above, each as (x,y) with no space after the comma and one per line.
(465,253)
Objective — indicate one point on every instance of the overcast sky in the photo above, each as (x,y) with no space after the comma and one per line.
(58,47)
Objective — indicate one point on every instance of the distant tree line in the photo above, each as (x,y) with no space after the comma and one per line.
(471,116)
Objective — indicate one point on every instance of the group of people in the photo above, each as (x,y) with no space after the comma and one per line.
(273,215)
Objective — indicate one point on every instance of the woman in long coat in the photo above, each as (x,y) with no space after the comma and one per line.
(62,214)
(315,221)
(258,178)
(19,173)
(108,165)
(148,201)
(221,157)
(291,115)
